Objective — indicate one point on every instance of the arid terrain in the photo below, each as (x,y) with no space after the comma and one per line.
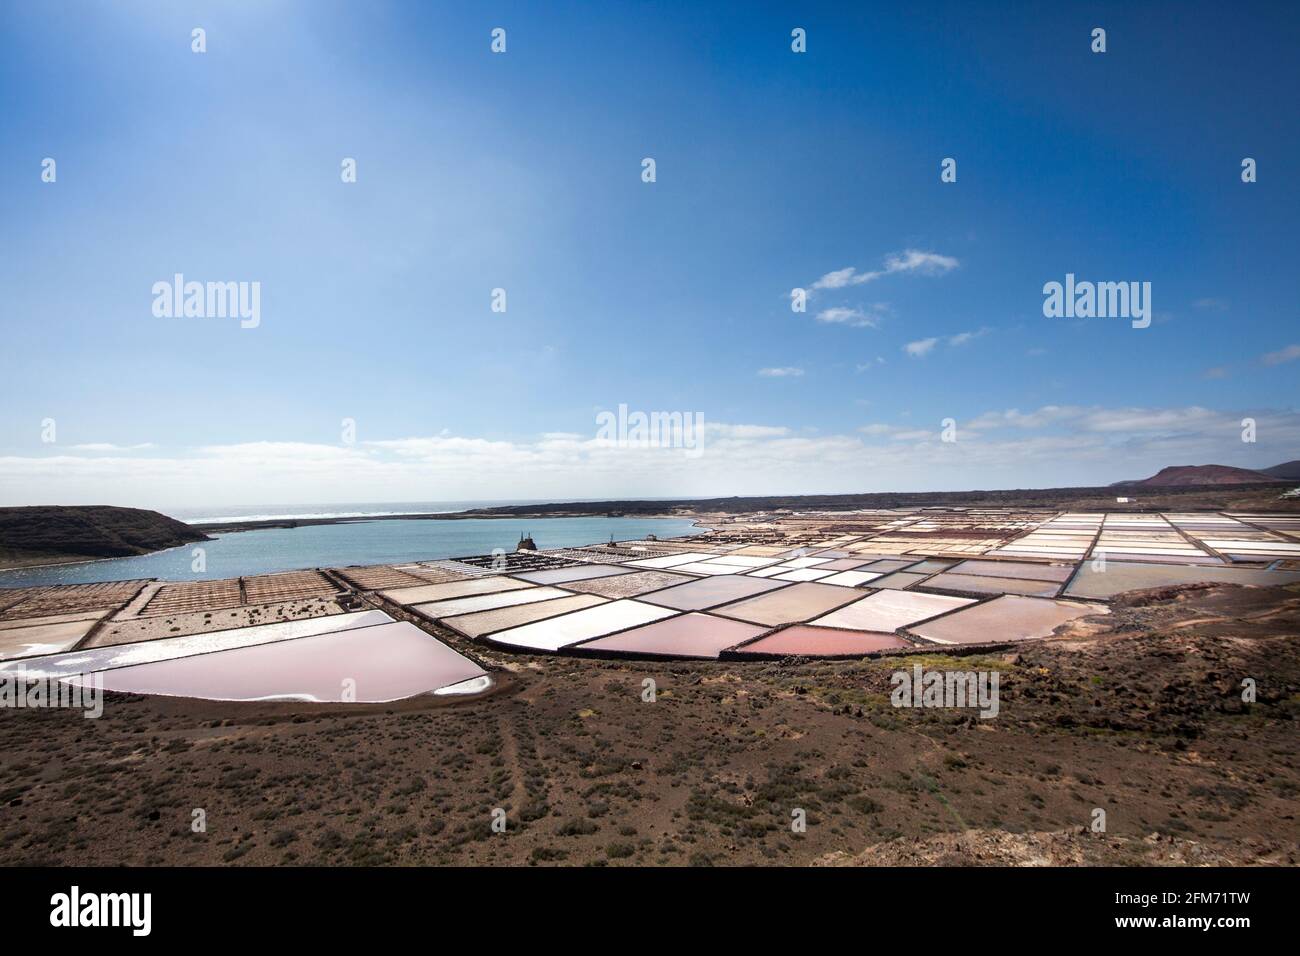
(1153,496)
(1138,713)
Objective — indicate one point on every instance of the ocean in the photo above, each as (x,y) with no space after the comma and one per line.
(336,545)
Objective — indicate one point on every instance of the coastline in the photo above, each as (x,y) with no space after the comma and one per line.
(227,527)
(46,561)
(66,560)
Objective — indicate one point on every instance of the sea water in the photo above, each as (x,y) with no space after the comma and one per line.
(354,542)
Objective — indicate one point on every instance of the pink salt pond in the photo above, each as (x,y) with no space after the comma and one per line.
(806,641)
(375,664)
(687,635)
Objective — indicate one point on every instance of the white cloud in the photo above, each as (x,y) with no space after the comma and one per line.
(961,338)
(926,263)
(1014,418)
(452,446)
(786,372)
(1134,421)
(909,260)
(1192,418)
(856,317)
(1288,354)
(289,450)
(897,433)
(1048,446)
(840,278)
(923,347)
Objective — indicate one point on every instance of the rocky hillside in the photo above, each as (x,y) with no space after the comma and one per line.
(56,532)
(1200,475)
(1289,470)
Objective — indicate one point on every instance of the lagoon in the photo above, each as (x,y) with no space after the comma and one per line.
(391,541)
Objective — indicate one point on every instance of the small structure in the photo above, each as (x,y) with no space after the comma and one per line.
(526,543)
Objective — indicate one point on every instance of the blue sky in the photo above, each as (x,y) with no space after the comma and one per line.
(522,171)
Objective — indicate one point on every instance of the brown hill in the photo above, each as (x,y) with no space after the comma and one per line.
(1183,475)
(59,532)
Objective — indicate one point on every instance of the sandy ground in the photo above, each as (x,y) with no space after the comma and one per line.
(1141,716)
(1077,847)
(125,630)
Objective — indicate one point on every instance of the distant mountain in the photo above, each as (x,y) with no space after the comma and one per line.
(1185,475)
(1288,470)
(60,532)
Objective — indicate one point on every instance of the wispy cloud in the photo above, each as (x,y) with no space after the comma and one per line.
(863,318)
(961,338)
(897,433)
(908,261)
(744,432)
(921,347)
(1014,418)
(1191,419)
(1288,354)
(785,372)
(1139,420)
(109,447)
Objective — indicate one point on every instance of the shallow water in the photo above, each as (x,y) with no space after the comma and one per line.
(112,656)
(368,664)
(361,542)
